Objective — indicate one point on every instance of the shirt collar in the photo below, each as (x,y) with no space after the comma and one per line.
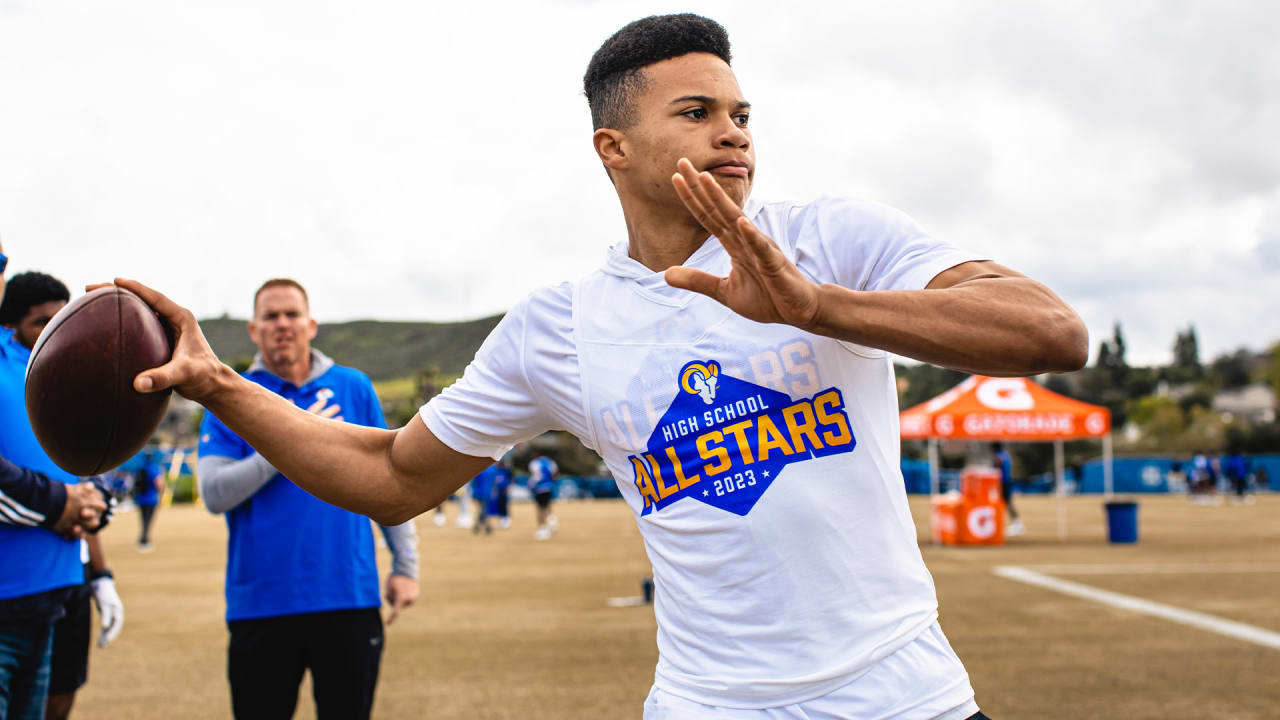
(709,257)
(320,364)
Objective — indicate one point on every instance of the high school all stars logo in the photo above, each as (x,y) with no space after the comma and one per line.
(724,441)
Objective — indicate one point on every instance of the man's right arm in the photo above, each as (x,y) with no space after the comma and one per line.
(403,472)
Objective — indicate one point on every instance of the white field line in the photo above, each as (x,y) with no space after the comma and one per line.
(1156,569)
(1230,628)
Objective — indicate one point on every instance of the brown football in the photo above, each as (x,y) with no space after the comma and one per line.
(80,396)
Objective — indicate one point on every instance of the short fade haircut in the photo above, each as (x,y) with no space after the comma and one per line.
(25,291)
(615,74)
(281,282)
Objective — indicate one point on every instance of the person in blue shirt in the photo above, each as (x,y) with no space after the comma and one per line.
(1235,467)
(147,487)
(43,513)
(1005,462)
(301,582)
(482,494)
(542,483)
(499,499)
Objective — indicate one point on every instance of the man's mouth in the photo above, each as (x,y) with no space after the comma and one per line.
(731,169)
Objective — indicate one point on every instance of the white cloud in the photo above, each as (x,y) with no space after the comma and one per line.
(414,161)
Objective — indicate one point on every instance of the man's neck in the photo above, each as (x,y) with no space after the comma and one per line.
(659,237)
(294,372)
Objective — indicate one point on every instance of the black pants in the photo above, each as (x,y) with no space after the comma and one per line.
(69,668)
(503,499)
(266,659)
(146,513)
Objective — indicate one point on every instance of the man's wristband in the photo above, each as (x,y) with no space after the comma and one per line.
(99,574)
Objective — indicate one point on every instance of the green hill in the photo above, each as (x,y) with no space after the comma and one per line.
(383,350)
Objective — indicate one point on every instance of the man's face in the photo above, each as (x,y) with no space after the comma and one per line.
(692,107)
(29,327)
(282,326)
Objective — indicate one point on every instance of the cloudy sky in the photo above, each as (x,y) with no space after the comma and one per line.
(432,161)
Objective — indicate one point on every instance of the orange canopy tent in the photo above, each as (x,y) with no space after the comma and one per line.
(1010,410)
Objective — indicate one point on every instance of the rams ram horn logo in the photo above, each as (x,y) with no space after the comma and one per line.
(701,380)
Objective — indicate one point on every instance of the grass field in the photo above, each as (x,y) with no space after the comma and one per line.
(510,628)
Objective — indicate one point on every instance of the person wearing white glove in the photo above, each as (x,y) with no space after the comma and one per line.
(69,668)
(110,608)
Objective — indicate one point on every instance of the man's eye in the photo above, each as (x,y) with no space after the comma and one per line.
(741,119)
(696,113)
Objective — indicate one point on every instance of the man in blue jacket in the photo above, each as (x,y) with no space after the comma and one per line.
(43,511)
(302,583)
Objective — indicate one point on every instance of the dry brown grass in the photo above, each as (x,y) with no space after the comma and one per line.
(510,628)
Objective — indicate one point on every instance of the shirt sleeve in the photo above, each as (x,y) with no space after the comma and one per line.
(870,246)
(402,541)
(29,498)
(225,483)
(493,406)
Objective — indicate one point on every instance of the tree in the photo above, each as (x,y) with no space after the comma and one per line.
(1106,382)
(1274,372)
(1186,357)
(1232,370)
(1113,361)
(1059,384)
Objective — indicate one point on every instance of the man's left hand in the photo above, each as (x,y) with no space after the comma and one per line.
(763,284)
(401,592)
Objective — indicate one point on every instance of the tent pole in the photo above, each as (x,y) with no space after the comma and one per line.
(933,467)
(933,484)
(1060,486)
(1107,458)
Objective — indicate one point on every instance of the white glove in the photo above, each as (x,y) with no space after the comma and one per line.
(110,609)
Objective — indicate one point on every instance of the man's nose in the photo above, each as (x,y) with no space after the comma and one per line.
(733,136)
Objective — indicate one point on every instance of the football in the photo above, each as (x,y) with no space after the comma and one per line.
(79,391)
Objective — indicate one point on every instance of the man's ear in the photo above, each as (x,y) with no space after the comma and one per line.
(612,148)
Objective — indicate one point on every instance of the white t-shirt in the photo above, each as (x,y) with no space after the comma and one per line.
(761,461)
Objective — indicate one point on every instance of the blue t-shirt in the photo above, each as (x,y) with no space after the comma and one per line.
(1235,467)
(289,552)
(502,477)
(1006,466)
(147,495)
(482,484)
(32,559)
(542,474)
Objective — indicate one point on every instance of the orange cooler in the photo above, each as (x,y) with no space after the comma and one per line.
(980,485)
(975,516)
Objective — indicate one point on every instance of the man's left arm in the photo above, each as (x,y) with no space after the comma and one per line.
(978,317)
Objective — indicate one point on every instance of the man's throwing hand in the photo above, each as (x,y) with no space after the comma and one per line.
(194,366)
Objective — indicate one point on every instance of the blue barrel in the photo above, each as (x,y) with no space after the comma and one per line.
(1122,522)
